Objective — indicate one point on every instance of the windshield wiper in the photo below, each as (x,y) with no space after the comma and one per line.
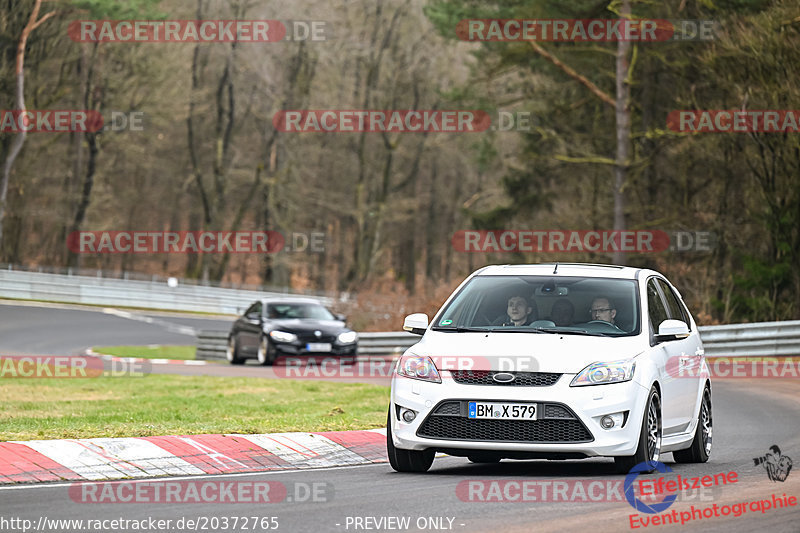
(460,329)
(516,330)
(574,332)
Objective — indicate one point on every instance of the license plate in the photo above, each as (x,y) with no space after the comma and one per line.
(504,411)
(318,347)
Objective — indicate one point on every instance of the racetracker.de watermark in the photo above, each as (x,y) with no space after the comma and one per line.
(197,31)
(69,366)
(67,120)
(639,241)
(184,242)
(570,491)
(381,120)
(447,367)
(736,121)
(201,491)
(586,30)
(693,367)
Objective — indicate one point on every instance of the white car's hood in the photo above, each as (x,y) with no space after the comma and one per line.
(523,352)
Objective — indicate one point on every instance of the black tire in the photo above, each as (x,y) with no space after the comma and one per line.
(649,447)
(406,460)
(266,354)
(700,449)
(232,353)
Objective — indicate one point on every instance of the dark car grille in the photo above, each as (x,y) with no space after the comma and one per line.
(310,337)
(521,379)
(557,424)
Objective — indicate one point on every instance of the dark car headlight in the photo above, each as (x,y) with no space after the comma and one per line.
(282,336)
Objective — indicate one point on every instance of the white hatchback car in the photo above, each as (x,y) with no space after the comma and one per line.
(553,361)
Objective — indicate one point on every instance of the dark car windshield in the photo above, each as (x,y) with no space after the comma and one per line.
(291,310)
(544,304)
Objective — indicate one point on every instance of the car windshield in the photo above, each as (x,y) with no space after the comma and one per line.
(291,310)
(544,304)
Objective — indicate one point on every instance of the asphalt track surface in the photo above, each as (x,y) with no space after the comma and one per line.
(750,415)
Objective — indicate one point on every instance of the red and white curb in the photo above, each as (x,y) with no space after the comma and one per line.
(91,353)
(139,457)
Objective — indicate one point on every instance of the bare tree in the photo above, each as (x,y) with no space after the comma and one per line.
(33,22)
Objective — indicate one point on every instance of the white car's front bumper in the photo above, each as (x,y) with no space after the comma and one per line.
(589,404)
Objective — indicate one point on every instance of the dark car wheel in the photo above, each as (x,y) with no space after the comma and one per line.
(649,447)
(700,449)
(406,460)
(267,354)
(232,352)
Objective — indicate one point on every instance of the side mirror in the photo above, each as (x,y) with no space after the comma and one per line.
(416,323)
(670,330)
(253,316)
(340,317)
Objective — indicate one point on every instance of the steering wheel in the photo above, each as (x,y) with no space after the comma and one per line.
(603,322)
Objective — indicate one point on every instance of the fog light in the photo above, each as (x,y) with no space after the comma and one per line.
(409,415)
(614,420)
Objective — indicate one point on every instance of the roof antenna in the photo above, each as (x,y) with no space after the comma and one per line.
(556,268)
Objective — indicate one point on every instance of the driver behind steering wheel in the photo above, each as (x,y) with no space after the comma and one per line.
(603,309)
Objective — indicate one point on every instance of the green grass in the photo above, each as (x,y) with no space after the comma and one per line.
(42,408)
(149,352)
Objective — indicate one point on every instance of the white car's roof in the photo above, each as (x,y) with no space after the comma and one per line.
(564,269)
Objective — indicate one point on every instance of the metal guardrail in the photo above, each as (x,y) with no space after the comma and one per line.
(120,292)
(761,339)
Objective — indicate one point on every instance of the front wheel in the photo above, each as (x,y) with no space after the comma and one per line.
(232,352)
(406,460)
(700,449)
(649,448)
(266,354)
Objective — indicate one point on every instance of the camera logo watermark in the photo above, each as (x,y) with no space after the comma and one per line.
(732,120)
(777,465)
(183,242)
(196,31)
(69,366)
(586,30)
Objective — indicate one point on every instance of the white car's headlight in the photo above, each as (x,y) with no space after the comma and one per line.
(418,367)
(347,337)
(283,336)
(602,373)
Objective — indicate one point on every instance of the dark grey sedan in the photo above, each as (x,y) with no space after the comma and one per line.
(298,327)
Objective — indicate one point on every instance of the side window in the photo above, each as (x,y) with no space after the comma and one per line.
(658,313)
(674,308)
(253,309)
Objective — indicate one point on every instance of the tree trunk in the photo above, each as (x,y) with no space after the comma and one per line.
(623,113)
(19,140)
